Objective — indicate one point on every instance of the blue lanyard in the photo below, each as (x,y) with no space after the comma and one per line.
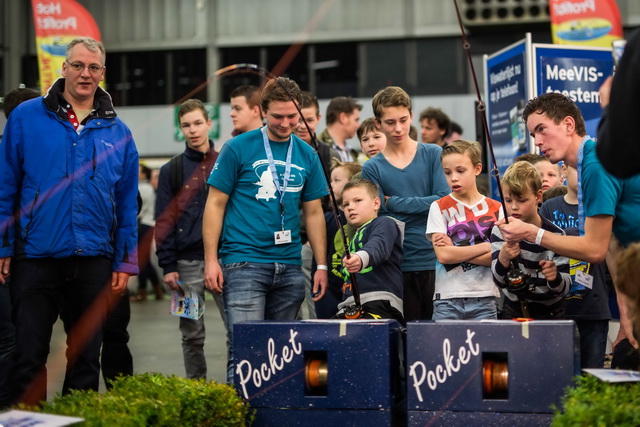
(581,217)
(282,189)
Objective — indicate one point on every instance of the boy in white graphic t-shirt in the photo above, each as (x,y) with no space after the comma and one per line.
(459,226)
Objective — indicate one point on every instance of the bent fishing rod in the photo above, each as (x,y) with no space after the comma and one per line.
(517,279)
(355,311)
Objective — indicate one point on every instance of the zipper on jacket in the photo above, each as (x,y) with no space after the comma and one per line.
(202,166)
(113,218)
(93,162)
(26,228)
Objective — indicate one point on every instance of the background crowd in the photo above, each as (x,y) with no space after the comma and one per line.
(251,222)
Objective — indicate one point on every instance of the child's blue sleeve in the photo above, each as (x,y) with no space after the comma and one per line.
(382,237)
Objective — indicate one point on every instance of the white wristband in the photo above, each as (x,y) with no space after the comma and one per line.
(322,267)
(539,236)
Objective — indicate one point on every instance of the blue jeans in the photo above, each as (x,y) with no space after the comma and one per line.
(593,342)
(257,291)
(465,309)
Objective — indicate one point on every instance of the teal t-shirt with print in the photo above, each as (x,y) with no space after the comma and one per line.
(605,194)
(253,211)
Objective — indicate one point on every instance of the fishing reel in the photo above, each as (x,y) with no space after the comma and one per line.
(353,311)
(518,282)
(316,376)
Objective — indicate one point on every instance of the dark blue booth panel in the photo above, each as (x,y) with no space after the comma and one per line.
(445,365)
(478,419)
(362,362)
(282,417)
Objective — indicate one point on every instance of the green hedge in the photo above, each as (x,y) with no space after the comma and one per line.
(595,403)
(155,400)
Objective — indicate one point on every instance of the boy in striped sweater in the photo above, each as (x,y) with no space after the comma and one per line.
(547,274)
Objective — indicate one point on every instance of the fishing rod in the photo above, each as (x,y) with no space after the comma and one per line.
(354,311)
(517,280)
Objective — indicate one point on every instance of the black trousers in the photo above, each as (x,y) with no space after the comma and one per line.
(41,290)
(116,357)
(378,309)
(7,343)
(512,310)
(417,299)
(147,270)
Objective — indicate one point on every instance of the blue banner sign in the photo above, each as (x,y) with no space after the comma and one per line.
(506,96)
(575,72)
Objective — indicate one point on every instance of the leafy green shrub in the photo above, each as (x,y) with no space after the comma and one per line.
(596,403)
(155,400)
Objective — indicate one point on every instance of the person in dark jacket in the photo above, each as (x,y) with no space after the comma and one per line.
(617,146)
(179,212)
(68,206)
(311,114)
(343,118)
(7,331)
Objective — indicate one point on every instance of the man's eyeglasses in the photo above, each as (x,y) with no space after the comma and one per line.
(79,67)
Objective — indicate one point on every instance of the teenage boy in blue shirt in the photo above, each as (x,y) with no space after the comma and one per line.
(410,178)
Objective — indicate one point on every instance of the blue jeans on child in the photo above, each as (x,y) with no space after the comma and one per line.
(258,291)
(465,308)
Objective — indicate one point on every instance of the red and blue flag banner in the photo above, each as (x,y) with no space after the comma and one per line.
(56,23)
(585,22)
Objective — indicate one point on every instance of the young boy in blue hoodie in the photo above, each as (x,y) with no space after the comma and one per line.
(375,254)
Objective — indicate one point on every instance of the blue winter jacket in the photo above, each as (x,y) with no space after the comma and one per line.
(66,194)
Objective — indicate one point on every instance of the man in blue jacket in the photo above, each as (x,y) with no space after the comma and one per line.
(69,179)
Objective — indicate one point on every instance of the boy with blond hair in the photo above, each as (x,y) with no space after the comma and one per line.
(410,178)
(550,174)
(547,278)
(459,226)
(341,174)
(376,254)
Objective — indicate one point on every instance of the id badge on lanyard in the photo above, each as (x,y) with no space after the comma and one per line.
(281,236)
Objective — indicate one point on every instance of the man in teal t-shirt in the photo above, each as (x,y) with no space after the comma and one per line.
(256,188)
(606,205)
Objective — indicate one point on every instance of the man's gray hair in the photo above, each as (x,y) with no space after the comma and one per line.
(89,43)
